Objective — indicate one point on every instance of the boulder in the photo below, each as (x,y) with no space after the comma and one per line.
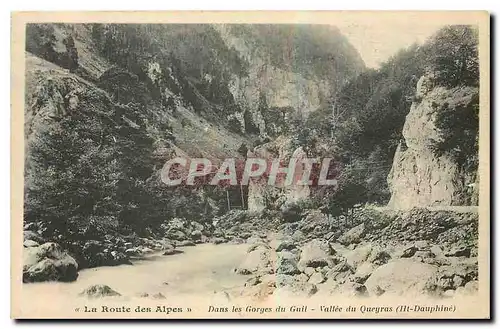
(237,240)
(158,296)
(256,240)
(145,250)
(448,293)
(317,278)
(30,243)
(138,251)
(253,281)
(340,272)
(353,236)
(255,261)
(99,291)
(280,245)
(409,252)
(363,272)
(170,250)
(302,277)
(219,240)
(470,288)
(296,289)
(286,263)
(196,235)
(48,262)
(353,289)
(453,276)
(425,256)
(185,243)
(261,290)
(298,236)
(31,235)
(437,251)
(400,277)
(459,251)
(316,253)
(284,280)
(309,271)
(378,256)
(358,255)
(132,252)
(168,246)
(177,235)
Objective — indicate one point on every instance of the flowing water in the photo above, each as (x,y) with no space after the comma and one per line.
(200,270)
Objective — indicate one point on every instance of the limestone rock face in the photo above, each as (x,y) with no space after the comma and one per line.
(419,177)
(300,81)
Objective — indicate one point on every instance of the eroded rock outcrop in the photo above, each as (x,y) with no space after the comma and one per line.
(419,176)
(280,194)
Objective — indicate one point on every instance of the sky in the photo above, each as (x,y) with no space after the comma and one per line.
(378,42)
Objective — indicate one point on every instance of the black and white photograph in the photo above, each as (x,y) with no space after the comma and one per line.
(320,167)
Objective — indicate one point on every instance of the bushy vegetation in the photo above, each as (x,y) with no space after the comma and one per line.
(189,58)
(92,173)
(452,55)
(41,40)
(460,131)
(455,63)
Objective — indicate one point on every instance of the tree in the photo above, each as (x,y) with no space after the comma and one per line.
(71,54)
(40,40)
(250,126)
(350,191)
(453,56)
(70,184)
(374,107)
(459,128)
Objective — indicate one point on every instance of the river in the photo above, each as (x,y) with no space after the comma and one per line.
(202,270)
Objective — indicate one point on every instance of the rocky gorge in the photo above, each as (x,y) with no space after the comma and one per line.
(98,133)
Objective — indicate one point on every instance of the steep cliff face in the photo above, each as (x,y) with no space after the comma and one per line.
(288,68)
(420,176)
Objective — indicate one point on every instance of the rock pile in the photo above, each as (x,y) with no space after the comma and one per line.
(414,252)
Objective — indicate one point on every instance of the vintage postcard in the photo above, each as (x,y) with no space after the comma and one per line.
(243,165)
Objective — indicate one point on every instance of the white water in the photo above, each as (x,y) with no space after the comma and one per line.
(199,271)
